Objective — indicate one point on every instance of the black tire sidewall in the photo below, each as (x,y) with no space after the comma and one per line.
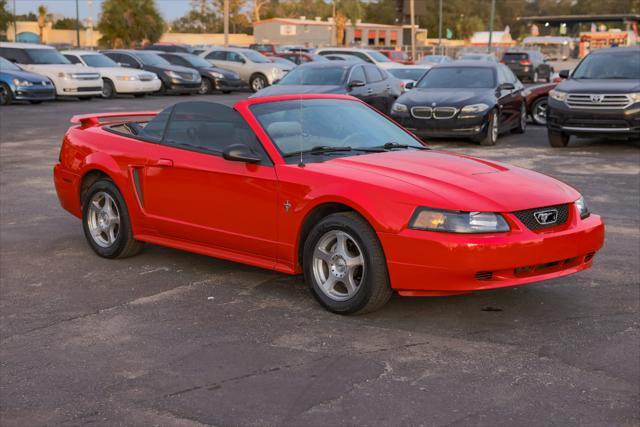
(255,77)
(112,93)
(9,97)
(124,235)
(355,229)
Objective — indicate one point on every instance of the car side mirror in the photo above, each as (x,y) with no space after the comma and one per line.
(507,86)
(240,153)
(564,74)
(409,85)
(355,83)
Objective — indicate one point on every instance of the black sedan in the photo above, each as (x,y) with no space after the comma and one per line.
(174,78)
(467,99)
(213,77)
(361,80)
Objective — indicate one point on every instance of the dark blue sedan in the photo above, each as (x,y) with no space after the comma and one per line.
(19,85)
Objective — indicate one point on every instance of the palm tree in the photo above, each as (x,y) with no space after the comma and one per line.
(345,10)
(42,20)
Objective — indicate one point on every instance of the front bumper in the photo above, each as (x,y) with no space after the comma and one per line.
(443,128)
(137,86)
(71,87)
(183,87)
(34,93)
(593,121)
(423,263)
(230,84)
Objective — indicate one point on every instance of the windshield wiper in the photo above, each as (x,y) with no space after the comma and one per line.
(326,149)
(394,145)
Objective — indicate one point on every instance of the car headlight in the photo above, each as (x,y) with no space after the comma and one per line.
(583,210)
(558,95)
(474,108)
(173,74)
(216,75)
(65,75)
(22,83)
(458,222)
(399,108)
(127,78)
(635,97)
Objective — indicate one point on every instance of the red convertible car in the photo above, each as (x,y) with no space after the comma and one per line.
(322,185)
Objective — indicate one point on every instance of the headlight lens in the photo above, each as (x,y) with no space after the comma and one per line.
(22,83)
(173,74)
(458,222)
(474,109)
(127,78)
(399,108)
(583,210)
(635,97)
(216,75)
(558,95)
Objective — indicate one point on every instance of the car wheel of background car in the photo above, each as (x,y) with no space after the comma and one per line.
(535,77)
(6,97)
(491,134)
(108,90)
(522,123)
(558,139)
(257,82)
(344,265)
(106,222)
(539,111)
(205,87)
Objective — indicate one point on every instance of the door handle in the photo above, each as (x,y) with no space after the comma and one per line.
(167,163)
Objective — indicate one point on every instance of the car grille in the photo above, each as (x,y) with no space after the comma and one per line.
(590,100)
(528,217)
(433,112)
(188,76)
(86,76)
(595,123)
(146,77)
(90,89)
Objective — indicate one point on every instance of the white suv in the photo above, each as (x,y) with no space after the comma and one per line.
(116,79)
(69,79)
(367,55)
(253,67)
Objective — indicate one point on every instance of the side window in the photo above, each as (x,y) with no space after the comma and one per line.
(15,55)
(361,56)
(209,127)
(154,130)
(219,55)
(511,77)
(234,57)
(175,60)
(373,74)
(502,74)
(73,59)
(358,74)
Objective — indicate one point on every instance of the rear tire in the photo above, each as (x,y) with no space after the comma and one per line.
(343,253)
(558,139)
(106,222)
(6,96)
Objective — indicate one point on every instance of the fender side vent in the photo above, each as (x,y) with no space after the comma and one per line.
(484,276)
(136,182)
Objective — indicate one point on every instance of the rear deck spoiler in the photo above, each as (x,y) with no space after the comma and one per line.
(88,120)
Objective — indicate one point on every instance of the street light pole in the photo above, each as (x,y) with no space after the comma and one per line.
(77,25)
(440,25)
(493,15)
(15,23)
(226,23)
(412,12)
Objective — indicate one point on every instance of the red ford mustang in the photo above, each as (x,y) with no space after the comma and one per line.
(324,185)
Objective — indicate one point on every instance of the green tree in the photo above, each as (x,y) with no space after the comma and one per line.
(66,24)
(6,17)
(128,23)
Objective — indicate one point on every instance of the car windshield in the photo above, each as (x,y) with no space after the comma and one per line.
(256,57)
(609,65)
(262,47)
(196,61)
(155,60)
(433,58)
(458,77)
(407,73)
(316,76)
(301,125)
(6,65)
(99,60)
(46,56)
(377,56)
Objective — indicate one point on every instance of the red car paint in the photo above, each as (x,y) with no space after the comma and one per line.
(251,226)
(537,91)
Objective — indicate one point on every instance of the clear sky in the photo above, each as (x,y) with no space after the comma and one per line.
(170,9)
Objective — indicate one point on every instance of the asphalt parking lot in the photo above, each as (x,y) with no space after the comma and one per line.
(172,338)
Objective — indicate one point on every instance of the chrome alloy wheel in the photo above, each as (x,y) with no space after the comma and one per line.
(338,265)
(540,113)
(103,219)
(494,127)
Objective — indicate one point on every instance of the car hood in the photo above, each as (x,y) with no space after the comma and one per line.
(446,97)
(59,68)
(121,71)
(24,75)
(452,181)
(298,89)
(600,85)
(228,74)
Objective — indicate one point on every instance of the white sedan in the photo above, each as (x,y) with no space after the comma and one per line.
(116,79)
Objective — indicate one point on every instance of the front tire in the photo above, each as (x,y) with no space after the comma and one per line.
(558,139)
(344,265)
(6,96)
(539,111)
(108,89)
(258,82)
(106,222)
(490,137)
(521,127)
(206,86)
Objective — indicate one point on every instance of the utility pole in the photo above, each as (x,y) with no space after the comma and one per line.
(226,23)
(15,23)
(77,25)
(412,12)
(493,15)
(440,26)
